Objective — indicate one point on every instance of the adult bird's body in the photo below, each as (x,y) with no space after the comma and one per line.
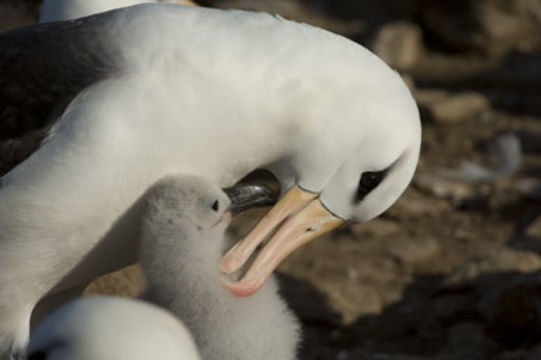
(210,92)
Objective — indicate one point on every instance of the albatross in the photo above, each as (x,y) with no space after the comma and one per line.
(111,328)
(156,89)
(182,237)
(60,10)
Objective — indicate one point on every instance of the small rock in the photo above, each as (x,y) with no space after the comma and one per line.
(534,229)
(453,108)
(490,26)
(504,29)
(411,250)
(399,44)
(529,8)
(413,203)
(353,301)
(454,191)
(502,259)
(376,228)
(430,96)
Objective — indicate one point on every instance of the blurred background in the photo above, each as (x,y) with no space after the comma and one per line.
(453,269)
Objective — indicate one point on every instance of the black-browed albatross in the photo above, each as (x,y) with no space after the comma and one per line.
(183,89)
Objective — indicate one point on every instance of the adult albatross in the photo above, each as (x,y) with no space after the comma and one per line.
(173,89)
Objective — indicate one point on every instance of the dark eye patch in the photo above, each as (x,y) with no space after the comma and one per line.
(215,205)
(368,182)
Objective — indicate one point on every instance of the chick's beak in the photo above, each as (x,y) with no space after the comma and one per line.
(297,218)
(226,216)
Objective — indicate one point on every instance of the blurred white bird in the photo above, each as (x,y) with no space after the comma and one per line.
(60,10)
(111,328)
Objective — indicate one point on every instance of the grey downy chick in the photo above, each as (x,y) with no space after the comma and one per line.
(183,238)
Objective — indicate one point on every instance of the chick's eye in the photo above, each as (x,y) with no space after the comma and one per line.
(369,180)
(215,205)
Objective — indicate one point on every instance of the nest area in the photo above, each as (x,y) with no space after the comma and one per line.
(452,271)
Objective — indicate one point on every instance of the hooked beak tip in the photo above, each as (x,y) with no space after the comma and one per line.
(243,288)
(298,218)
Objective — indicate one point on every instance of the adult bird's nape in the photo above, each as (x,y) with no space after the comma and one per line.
(175,89)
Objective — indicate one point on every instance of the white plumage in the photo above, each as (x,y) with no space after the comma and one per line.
(209,92)
(111,328)
(60,10)
(184,220)
(183,236)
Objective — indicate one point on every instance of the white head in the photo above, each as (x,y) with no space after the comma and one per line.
(186,202)
(111,328)
(354,124)
(351,166)
(373,160)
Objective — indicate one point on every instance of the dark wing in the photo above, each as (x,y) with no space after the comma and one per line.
(42,68)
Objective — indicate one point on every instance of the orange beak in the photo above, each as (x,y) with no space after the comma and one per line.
(298,218)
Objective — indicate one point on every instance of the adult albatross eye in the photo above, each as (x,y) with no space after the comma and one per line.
(216,206)
(368,182)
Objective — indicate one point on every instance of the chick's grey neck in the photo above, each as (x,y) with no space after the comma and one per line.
(179,254)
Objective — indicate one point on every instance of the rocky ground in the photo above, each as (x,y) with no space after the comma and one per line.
(453,270)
